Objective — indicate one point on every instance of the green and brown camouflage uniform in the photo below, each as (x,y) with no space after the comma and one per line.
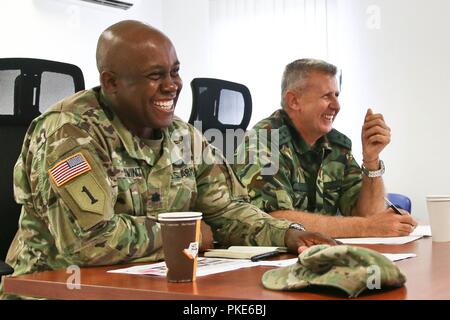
(324,178)
(104,215)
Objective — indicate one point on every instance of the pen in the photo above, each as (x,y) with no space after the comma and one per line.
(264,255)
(392,206)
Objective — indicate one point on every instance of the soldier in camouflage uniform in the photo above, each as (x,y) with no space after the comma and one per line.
(98,167)
(314,176)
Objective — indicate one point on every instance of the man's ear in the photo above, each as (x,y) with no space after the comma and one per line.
(292,100)
(108,81)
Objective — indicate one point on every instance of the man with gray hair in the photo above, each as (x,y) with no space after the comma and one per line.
(318,182)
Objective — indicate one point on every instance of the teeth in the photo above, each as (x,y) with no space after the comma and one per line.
(165,105)
(329,117)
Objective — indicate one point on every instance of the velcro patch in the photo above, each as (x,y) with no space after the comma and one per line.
(69,168)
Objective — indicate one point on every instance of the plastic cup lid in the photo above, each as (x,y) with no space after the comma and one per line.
(438,198)
(180,216)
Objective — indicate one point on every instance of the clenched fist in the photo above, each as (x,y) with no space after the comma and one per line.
(375,136)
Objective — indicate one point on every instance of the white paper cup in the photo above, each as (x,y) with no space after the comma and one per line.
(439,215)
(438,197)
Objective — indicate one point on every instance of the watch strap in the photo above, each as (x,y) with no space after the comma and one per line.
(376,173)
(297,226)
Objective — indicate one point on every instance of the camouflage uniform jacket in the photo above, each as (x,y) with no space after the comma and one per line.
(101,213)
(323,178)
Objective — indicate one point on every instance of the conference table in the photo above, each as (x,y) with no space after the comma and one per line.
(428,277)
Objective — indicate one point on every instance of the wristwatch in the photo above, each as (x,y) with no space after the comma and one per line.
(297,226)
(376,173)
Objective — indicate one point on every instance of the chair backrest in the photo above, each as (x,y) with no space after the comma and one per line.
(5,269)
(27,88)
(401,201)
(221,105)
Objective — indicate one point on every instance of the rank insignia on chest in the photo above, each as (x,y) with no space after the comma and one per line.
(154,199)
(69,169)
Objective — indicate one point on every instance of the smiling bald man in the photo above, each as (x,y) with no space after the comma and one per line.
(99,166)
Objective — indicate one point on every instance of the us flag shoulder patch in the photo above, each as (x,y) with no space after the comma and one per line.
(69,168)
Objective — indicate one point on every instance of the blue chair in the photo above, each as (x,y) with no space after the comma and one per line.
(401,201)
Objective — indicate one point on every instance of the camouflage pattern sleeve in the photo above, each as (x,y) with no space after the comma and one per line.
(351,186)
(270,190)
(71,211)
(224,203)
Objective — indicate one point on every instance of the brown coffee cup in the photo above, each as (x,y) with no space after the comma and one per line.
(181,237)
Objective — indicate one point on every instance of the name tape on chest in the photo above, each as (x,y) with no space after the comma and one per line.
(133,172)
(184,172)
(69,169)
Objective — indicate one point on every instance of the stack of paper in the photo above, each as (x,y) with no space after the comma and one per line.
(399,256)
(423,230)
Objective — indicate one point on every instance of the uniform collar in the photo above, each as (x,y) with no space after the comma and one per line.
(299,143)
(136,147)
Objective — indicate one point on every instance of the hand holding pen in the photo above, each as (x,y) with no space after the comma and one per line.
(392,206)
(397,210)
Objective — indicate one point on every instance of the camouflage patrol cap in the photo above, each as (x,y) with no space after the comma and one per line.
(352,269)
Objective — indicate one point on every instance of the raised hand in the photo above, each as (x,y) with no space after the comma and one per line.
(375,136)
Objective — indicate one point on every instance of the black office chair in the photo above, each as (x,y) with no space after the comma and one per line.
(27,88)
(222,111)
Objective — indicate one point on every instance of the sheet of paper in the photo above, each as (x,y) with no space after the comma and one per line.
(387,240)
(423,230)
(278,263)
(287,262)
(399,256)
(205,266)
(257,249)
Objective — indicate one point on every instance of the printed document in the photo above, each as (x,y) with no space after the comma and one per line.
(205,266)
(386,240)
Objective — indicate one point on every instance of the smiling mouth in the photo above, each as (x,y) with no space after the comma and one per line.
(328,117)
(165,105)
